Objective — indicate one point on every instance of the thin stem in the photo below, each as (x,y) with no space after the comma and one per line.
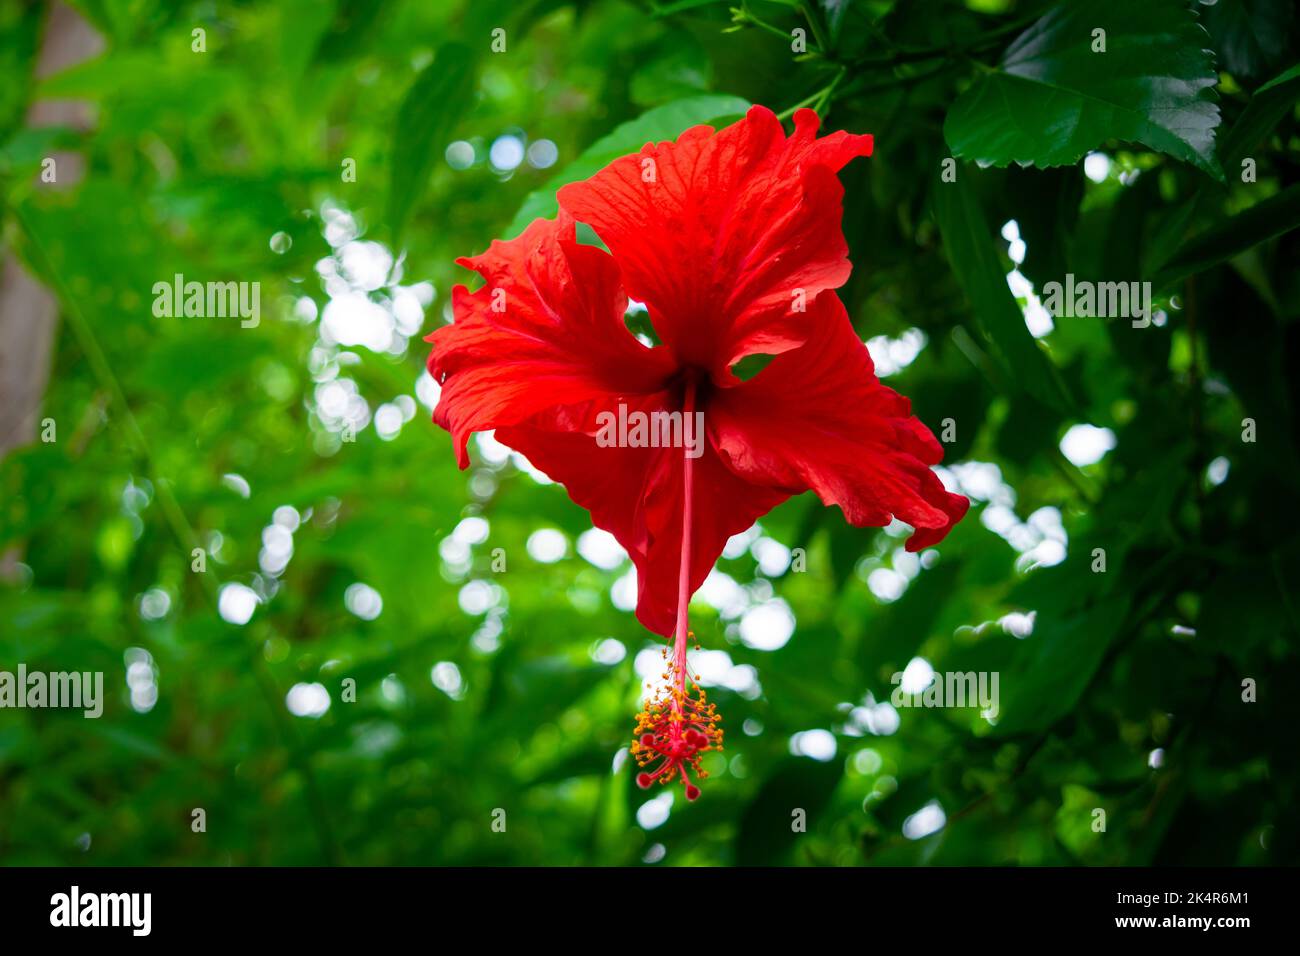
(817,100)
(1070,472)
(823,101)
(815,25)
(743,15)
(903,83)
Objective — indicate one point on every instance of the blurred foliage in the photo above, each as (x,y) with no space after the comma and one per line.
(1126,696)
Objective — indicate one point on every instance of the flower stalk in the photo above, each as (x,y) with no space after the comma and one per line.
(679,723)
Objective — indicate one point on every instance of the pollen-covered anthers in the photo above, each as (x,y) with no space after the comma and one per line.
(672,731)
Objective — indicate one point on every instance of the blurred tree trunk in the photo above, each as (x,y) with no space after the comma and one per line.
(28,311)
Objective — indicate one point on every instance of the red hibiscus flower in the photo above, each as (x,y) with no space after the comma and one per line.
(732,241)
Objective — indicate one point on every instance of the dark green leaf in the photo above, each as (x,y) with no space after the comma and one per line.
(969,239)
(1271,102)
(1053,99)
(1056,664)
(435,102)
(1249,35)
(1261,222)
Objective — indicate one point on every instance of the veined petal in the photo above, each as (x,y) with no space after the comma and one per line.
(545,330)
(726,236)
(817,417)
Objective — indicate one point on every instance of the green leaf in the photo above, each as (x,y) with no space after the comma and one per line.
(1261,222)
(1059,661)
(682,6)
(1241,613)
(1285,77)
(834,11)
(1055,99)
(661,123)
(968,239)
(433,105)
(1045,204)
(1250,35)
(1271,102)
(19,44)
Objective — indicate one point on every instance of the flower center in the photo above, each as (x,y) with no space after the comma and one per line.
(695,384)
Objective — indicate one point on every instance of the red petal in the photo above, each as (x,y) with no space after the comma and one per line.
(733,227)
(545,330)
(817,417)
(636,495)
